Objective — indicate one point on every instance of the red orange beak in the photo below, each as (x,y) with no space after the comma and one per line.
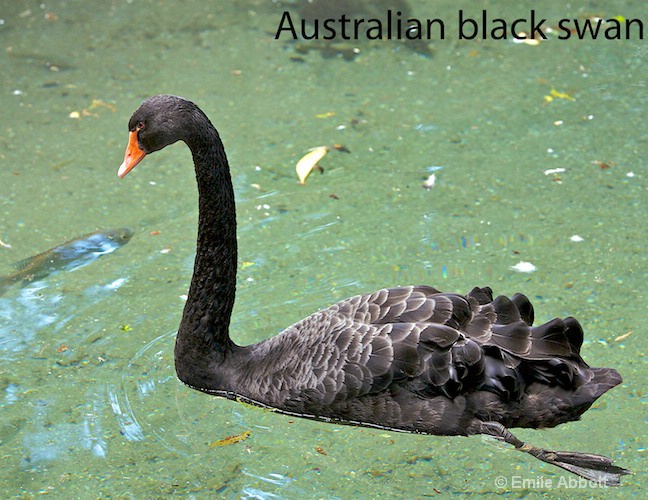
(132,157)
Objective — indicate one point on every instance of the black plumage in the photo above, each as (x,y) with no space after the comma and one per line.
(410,359)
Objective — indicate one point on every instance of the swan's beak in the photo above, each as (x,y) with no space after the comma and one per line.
(132,157)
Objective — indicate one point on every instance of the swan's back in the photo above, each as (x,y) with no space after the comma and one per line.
(416,359)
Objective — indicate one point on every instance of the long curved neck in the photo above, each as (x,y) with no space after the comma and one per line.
(203,336)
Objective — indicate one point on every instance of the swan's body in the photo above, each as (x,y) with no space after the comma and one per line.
(411,359)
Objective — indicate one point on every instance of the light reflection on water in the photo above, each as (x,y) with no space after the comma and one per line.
(142,382)
(33,317)
(150,404)
(39,306)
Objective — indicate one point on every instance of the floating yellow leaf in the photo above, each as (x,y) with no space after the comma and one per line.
(231,439)
(309,161)
(555,94)
(247,263)
(561,95)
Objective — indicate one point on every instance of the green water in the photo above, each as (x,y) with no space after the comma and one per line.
(90,406)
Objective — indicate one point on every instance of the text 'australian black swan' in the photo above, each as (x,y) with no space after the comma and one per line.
(409,359)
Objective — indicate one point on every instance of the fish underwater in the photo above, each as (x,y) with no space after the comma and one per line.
(68,256)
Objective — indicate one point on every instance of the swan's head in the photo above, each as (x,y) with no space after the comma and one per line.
(160,120)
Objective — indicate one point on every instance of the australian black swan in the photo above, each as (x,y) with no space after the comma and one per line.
(410,358)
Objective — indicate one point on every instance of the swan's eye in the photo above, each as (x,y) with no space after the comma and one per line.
(140,126)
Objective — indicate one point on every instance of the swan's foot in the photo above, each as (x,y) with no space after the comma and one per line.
(592,467)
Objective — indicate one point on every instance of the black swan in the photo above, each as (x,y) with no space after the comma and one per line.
(409,359)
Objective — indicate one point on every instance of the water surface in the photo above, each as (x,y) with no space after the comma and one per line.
(90,406)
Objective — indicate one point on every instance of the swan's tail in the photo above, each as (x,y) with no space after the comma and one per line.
(587,465)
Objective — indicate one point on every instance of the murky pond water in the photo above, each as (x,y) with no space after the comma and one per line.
(543,149)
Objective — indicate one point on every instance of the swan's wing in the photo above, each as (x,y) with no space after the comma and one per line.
(447,343)
(430,343)
(419,340)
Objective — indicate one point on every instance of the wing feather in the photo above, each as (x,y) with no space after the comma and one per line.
(425,342)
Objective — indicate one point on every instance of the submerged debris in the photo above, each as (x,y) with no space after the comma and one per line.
(602,165)
(623,337)
(556,94)
(316,19)
(429,182)
(231,439)
(551,171)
